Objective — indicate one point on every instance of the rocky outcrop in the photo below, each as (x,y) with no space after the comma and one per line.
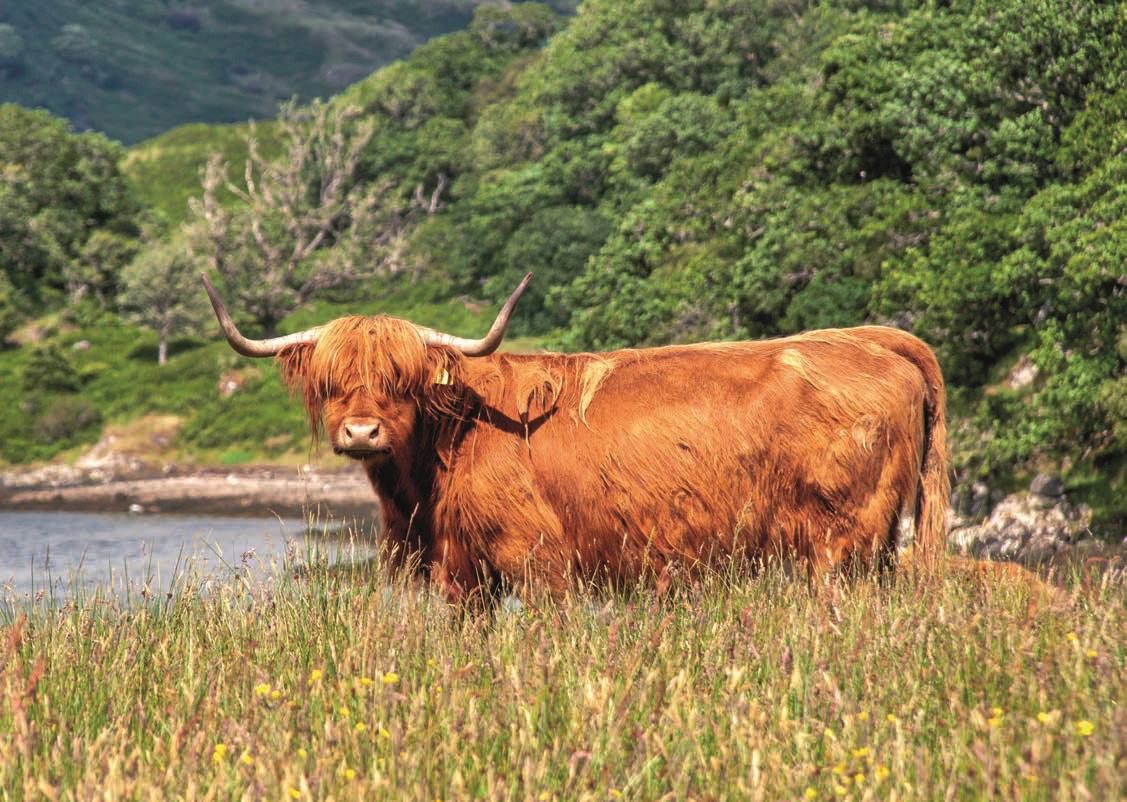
(1032,527)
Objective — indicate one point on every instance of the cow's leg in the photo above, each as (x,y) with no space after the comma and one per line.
(528,549)
(868,539)
(457,576)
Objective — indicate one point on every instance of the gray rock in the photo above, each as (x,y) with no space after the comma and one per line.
(1023,374)
(969,506)
(1025,528)
(1047,485)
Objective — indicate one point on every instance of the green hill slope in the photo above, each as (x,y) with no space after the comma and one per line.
(135,68)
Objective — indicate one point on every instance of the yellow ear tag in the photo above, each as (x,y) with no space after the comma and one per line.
(442,376)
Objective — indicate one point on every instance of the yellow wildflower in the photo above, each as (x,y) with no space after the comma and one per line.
(543,794)
(1071,637)
(350,774)
(839,768)
(315,675)
(1092,653)
(1084,728)
(891,719)
(1044,717)
(863,752)
(882,772)
(366,682)
(863,715)
(294,793)
(997,711)
(302,753)
(432,663)
(246,759)
(994,721)
(859,778)
(275,694)
(383,733)
(219,753)
(839,789)
(262,689)
(360,726)
(615,793)
(390,678)
(811,793)
(344,712)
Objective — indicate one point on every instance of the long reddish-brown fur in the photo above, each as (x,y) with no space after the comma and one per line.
(613,465)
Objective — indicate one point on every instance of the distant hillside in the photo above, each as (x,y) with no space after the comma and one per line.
(165,171)
(136,68)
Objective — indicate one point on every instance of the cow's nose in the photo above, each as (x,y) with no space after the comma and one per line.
(360,435)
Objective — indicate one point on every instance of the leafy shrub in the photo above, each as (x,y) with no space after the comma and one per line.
(9,309)
(48,370)
(64,418)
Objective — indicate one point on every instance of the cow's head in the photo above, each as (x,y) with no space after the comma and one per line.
(366,380)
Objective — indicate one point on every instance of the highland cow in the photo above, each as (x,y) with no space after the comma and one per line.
(821,448)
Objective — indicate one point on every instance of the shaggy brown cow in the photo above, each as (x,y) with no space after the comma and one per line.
(503,467)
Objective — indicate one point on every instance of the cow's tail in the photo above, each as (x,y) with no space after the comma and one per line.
(933,497)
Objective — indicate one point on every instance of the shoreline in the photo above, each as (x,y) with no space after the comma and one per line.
(249,490)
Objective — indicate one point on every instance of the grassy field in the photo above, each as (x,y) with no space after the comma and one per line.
(343,684)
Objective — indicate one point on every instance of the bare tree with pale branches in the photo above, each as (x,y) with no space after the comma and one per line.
(303,224)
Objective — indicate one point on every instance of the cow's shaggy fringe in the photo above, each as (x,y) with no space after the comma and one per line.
(380,356)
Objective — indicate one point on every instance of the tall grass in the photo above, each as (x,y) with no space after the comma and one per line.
(343,683)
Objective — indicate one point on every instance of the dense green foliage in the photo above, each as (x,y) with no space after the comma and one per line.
(676,171)
(66,212)
(680,171)
(136,68)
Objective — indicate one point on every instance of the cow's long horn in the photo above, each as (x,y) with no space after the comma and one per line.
(245,345)
(487,344)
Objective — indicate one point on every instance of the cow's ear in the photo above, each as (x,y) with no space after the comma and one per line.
(294,361)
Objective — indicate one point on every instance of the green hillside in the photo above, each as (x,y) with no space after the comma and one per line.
(164,171)
(734,169)
(135,68)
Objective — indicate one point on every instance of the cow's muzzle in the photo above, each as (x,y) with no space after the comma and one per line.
(360,439)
